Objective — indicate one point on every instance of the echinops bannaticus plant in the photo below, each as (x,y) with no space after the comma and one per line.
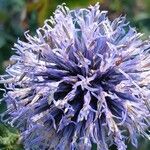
(82,79)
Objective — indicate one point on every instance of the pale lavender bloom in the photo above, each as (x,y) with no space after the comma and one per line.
(82,79)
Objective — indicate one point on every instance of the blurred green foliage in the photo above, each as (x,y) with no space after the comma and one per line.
(17,16)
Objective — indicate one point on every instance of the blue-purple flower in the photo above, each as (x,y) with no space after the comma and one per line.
(82,79)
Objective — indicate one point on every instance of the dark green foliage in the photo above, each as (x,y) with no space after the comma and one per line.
(9,139)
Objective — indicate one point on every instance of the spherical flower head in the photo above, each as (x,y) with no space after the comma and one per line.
(82,79)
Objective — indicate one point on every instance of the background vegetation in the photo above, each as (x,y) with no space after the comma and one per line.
(17,16)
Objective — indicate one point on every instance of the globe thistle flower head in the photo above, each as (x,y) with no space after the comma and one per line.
(82,79)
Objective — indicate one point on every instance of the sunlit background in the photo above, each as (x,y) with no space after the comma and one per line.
(17,16)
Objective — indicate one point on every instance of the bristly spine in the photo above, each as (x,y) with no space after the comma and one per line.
(82,79)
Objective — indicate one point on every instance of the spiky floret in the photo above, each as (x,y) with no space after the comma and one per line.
(81,79)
